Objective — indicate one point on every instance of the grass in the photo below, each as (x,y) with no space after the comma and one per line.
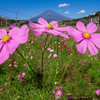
(79,81)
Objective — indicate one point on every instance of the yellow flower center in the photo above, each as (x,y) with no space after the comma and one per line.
(50,25)
(86,35)
(5,38)
(58,88)
(58,94)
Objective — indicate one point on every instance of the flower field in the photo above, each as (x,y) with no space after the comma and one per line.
(49,66)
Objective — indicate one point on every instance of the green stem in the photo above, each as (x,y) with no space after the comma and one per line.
(29,67)
(43,59)
(40,94)
(57,54)
(70,59)
(67,65)
(56,67)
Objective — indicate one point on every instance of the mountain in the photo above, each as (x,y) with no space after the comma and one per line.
(50,15)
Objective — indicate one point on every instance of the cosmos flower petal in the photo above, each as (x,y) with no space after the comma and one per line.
(80,26)
(3,55)
(2,33)
(34,25)
(95,38)
(11,47)
(91,28)
(61,29)
(57,33)
(93,50)
(81,46)
(22,36)
(98,92)
(55,24)
(37,31)
(42,21)
(14,32)
(77,35)
(1,44)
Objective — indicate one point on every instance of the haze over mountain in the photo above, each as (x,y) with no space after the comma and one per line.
(50,15)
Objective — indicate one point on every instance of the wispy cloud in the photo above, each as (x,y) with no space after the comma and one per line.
(63,5)
(59,10)
(86,15)
(81,12)
(67,12)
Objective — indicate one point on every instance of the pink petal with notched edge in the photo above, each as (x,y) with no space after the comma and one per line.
(77,35)
(93,50)
(95,38)
(80,26)
(42,21)
(21,35)
(34,25)
(3,32)
(37,31)
(81,47)
(14,32)
(91,28)
(3,54)
(55,24)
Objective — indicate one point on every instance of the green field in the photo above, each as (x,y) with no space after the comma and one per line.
(78,74)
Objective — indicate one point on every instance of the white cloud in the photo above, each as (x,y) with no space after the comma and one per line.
(86,15)
(93,14)
(63,5)
(67,12)
(82,11)
(59,10)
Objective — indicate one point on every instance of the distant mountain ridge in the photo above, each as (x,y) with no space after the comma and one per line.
(50,15)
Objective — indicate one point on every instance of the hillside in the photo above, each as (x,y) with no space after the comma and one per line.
(85,20)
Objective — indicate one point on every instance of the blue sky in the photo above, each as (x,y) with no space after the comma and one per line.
(69,8)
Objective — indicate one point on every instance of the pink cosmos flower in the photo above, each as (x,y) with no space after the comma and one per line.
(49,49)
(14,62)
(19,76)
(31,57)
(15,65)
(29,52)
(55,55)
(58,94)
(85,37)
(10,41)
(22,80)
(24,65)
(9,59)
(10,65)
(12,26)
(5,84)
(48,28)
(53,91)
(58,88)
(23,74)
(98,92)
